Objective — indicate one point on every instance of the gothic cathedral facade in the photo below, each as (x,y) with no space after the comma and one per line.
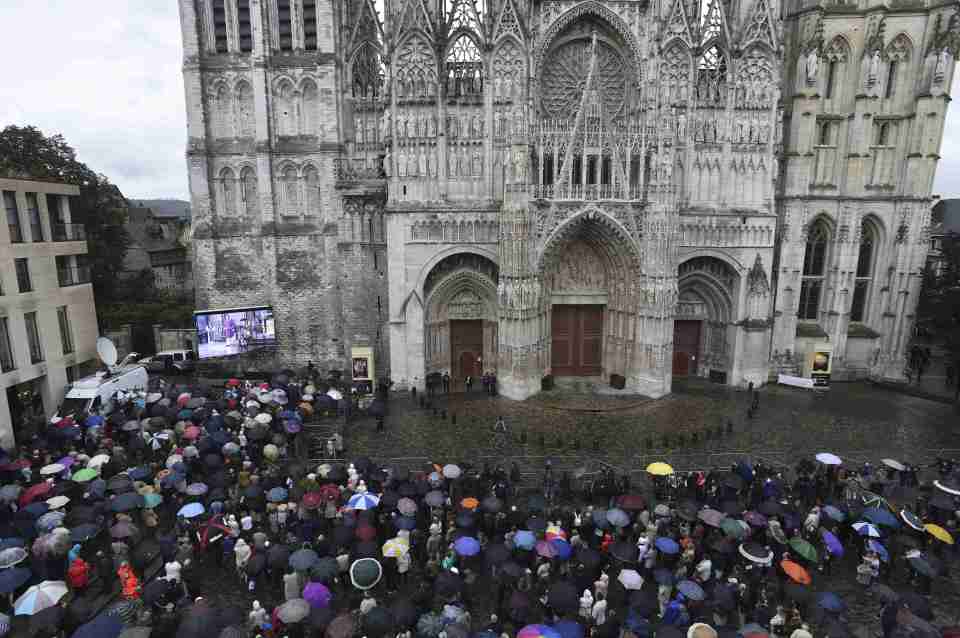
(613,191)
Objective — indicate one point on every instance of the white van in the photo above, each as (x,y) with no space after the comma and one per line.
(96,392)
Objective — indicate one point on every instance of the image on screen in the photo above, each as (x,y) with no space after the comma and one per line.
(230,332)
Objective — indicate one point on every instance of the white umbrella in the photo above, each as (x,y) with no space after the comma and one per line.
(828,458)
(98,461)
(949,489)
(263,418)
(894,465)
(57,502)
(52,469)
(40,597)
(630,579)
(451,471)
(334,394)
(173,459)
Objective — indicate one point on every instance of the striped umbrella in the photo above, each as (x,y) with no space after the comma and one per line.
(363,501)
(39,597)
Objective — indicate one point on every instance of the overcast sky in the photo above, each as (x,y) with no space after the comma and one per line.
(106,74)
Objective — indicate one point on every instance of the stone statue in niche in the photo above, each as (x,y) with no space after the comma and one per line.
(432,126)
(874,70)
(813,66)
(436,164)
(387,167)
(385,124)
(412,164)
(477,166)
(358,130)
(401,164)
(422,159)
(943,63)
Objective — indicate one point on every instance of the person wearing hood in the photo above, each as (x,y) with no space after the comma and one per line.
(812,522)
(586,605)
(599,612)
(242,553)
(257,616)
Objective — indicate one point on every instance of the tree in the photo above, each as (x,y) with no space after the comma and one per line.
(26,152)
(939,306)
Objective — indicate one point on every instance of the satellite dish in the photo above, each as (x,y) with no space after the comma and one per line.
(107,351)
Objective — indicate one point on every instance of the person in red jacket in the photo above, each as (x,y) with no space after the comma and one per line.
(78,574)
(129,581)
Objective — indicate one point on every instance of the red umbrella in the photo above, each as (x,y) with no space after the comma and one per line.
(191,432)
(330,492)
(366,533)
(632,502)
(34,492)
(312,500)
(233,382)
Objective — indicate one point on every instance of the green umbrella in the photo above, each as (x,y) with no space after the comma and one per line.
(365,573)
(805,549)
(732,528)
(84,475)
(151,500)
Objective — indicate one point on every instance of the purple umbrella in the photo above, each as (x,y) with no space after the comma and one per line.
(467,546)
(832,543)
(317,595)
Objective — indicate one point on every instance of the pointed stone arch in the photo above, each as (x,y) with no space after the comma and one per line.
(595,9)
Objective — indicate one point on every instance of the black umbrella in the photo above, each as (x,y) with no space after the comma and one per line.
(126,502)
(366,549)
(536,524)
(645,602)
(589,557)
(447,584)
(145,553)
(389,500)
(496,554)
(84,532)
(563,597)
(320,618)
(325,570)
(119,483)
(47,622)
(511,571)
(303,559)
(278,556)
(378,622)
(404,613)
(770,508)
(256,564)
(624,551)
(157,590)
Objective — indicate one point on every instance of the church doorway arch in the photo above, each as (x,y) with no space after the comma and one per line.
(703,324)
(460,338)
(587,269)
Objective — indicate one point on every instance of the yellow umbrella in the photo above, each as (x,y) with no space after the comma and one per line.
(939,533)
(659,469)
(395,547)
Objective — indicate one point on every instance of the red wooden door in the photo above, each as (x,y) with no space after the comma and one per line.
(577,347)
(686,347)
(466,346)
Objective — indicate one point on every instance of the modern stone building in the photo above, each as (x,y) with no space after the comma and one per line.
(48,322)
(611,191)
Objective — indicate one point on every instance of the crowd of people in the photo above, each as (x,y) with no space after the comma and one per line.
(187,512)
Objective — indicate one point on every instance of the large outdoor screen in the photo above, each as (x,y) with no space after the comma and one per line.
(222,333)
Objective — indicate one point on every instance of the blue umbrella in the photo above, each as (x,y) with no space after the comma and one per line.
(880,517)
(191,510)
(667,545)
(103,626)
(199,489)
(85,532)
(617,517)
(277,495)
(600,518)
(303,559)
(663,576)
(13,578)
(569,629)
(830,601)
(467,546)
(139,473)
(12,541)
(691,590)
(524,539)
(866,529)
(405,522)
(362,501)
(93,420)
(564,550)
(878,547)
(37,509)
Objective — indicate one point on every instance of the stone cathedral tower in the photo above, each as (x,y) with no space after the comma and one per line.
(611,191)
